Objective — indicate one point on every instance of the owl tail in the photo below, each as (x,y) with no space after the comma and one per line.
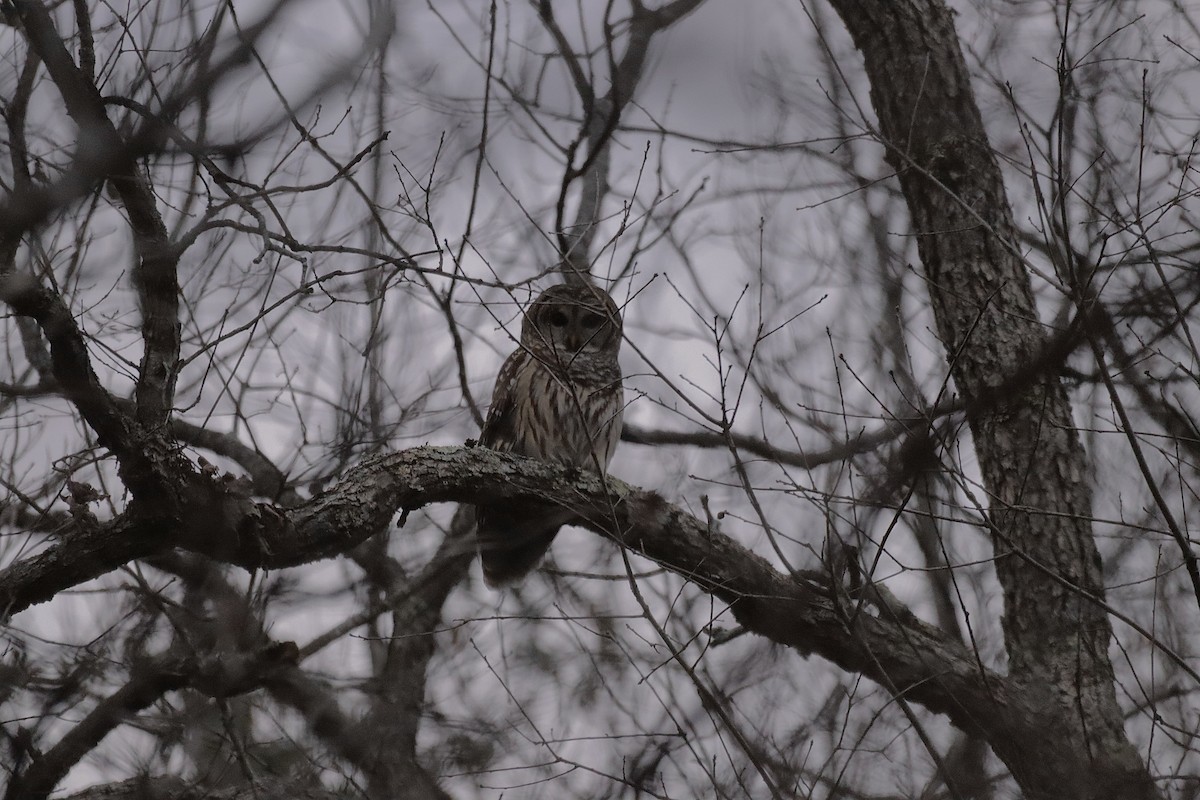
(512,542)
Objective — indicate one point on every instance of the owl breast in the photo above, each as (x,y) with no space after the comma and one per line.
(578,422)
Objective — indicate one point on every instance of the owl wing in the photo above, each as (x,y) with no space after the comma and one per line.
(514,535)
(500,427)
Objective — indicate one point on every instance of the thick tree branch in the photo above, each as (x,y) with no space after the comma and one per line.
(18,153)
(268,479)
(147,465)
(172,788)
(154,272)
(803,612)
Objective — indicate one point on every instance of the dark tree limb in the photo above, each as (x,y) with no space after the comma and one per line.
(805,612)
(172,788)
(155,268)
(147,465)
(220,677)
(391,727)
(150,466)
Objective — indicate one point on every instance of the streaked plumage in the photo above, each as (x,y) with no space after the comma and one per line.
(558,397)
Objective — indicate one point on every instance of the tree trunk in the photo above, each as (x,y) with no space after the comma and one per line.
(1031,459)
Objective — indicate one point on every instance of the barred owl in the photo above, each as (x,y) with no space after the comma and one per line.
(559,398)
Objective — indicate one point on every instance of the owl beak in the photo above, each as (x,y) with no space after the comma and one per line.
(573,337)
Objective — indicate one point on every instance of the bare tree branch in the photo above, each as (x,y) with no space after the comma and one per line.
(149,682)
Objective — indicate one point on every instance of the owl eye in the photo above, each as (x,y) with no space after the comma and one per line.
(592,321)
(557,319)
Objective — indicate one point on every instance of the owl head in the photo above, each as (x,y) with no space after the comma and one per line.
(572,321)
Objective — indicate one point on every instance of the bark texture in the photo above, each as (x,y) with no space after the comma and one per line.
(1032,461)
